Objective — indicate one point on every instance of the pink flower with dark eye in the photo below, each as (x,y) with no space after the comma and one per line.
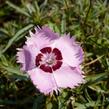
(51,61)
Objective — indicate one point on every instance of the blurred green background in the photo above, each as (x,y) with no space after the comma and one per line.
(87,20)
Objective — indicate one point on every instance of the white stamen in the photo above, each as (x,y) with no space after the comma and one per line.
(49,59)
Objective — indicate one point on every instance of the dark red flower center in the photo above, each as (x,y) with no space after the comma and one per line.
(49,59)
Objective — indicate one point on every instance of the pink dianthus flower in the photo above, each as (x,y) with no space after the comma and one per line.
(51,61)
